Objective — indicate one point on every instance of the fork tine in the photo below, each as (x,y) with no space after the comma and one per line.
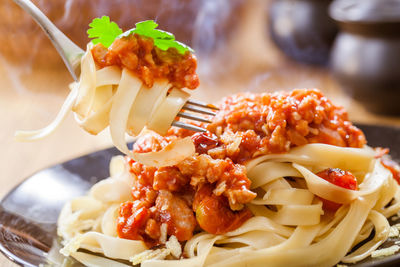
(188,126)
(198,107)
(202,104)
(192,117)
(198,110)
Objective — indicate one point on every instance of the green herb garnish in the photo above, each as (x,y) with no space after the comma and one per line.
(163,40)
(106,32)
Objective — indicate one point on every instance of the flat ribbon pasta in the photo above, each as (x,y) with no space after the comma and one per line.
(25,136)
(116,97)
(289,226)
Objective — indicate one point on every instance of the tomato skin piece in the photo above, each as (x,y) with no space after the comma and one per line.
(204,142)
(393,167)
(344,179)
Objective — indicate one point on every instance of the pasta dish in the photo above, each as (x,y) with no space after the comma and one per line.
(278,179)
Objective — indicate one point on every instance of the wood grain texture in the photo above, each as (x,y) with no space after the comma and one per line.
(30,98)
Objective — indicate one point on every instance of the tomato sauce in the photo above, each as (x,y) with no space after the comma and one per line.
(209,190)
(274,123)
(344,179)
(148,62)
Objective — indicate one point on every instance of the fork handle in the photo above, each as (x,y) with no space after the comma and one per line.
(69,51)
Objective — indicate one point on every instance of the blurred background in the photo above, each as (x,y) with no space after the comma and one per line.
(241,45)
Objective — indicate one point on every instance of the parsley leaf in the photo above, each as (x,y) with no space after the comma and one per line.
(103,31)
(163,40)
(165,44)
(148,28)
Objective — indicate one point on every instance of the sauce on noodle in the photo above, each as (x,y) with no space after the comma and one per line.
(344,179)
(213,184)
(138,54)
(274,123)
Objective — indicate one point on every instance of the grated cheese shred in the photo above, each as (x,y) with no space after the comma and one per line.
(384,252)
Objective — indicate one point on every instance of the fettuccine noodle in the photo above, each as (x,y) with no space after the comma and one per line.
(115,97)
(289,227)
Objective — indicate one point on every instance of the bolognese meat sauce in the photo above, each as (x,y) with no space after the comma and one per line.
(274,123)
(138,54)
(209,190)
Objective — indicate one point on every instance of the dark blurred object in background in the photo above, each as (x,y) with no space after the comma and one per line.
(200,20)
(303,29)
(366,54)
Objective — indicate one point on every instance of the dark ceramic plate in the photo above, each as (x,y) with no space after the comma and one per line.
(28,214)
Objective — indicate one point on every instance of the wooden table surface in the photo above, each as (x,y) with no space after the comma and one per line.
(30,99)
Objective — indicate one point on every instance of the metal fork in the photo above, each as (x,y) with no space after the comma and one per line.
(72,54)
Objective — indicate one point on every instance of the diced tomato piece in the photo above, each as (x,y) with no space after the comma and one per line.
(340,178)
(132,217)
(214,215)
